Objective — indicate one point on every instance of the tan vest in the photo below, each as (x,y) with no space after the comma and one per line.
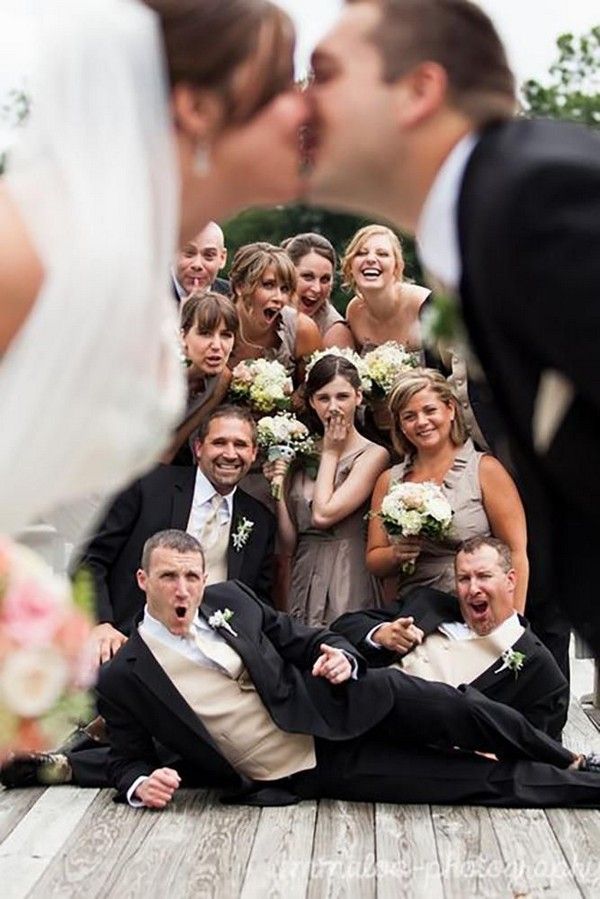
(233,713)
(456,662)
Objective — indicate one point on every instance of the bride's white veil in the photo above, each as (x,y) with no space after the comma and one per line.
(91,385)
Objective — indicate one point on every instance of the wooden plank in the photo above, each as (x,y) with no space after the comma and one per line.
(535,864)
(14,805)
(28,850)
(470,859)
(580,735)
(197,847)
(578,832)
(151,865)
(407,861)
(343,861)
(279,866)
(100,846)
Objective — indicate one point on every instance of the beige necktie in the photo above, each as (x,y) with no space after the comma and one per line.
(210,531)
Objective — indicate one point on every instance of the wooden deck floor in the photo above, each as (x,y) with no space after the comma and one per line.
(70,842)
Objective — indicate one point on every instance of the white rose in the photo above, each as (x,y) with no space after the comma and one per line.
(32,681)
(410,522)
(439,509)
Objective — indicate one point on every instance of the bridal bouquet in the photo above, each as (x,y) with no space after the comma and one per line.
(45,660)
(264,386)
(385,363)
(283,437)
(415,510)
(348,354)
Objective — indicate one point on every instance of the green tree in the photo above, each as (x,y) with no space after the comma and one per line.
(573,93)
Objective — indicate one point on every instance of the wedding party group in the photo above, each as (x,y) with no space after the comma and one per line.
(317,554)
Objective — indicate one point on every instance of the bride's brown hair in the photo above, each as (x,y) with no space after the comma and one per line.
(206,42)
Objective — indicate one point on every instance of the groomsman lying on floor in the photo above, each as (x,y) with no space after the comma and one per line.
(280,711)
(478,639)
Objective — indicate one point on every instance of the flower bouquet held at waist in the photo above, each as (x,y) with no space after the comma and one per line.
(262,385)
(415,510)
(284,437)
(46,663)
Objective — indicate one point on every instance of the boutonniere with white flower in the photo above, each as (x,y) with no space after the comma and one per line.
(221,619)
(512,660)
(242,533)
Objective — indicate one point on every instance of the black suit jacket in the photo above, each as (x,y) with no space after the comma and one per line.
(160,500)
(529,233)
(140,703)
(540,692)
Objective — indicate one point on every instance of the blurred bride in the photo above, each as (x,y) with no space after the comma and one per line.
(148,120)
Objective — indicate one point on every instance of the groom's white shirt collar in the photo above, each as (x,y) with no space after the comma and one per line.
(437,228)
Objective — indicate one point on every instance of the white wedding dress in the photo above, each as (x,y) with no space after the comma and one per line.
(91,385)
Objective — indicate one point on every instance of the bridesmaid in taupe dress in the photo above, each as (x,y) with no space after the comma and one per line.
(428,430)
(322,520)
(209,324)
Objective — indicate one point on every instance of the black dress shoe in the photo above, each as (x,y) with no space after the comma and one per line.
(33,769)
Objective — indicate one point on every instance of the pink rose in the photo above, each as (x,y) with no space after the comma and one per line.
(31,613)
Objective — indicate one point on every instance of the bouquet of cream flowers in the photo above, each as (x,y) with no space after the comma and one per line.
(385,363)
(348,354)
(415,510)
(284,437)
(46,663)
(265,386)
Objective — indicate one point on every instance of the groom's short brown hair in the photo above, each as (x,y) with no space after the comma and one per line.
(461,38)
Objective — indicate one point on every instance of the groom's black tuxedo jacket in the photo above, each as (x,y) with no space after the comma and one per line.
(140,703)
(529,234)
(540,692)
(160,500)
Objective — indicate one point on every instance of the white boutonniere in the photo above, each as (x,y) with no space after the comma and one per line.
(512,661)
(221,619)
(241,535)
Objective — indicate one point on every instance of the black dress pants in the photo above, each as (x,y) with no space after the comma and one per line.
(371,770)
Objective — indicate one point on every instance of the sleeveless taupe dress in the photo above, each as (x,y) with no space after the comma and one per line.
(328,316)
(329,575)
(462,489)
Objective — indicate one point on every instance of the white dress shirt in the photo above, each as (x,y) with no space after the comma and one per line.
(201,505)
(437,228)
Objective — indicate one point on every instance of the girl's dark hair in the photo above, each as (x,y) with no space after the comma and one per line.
(321,374)
(302,244)
(205,311)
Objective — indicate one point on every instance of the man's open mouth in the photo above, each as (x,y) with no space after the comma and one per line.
(479,608)
(181,611)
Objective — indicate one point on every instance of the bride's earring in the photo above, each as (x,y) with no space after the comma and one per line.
(201,159)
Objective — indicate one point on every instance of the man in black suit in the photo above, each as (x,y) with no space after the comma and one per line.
(507,215)
(199,262)
(477,639)
(284,712)
(170,496)
(181,497)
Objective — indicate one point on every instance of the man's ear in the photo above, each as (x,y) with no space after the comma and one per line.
(197,112)
(420,94)
(223,258)
(196,446)
(142,579)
